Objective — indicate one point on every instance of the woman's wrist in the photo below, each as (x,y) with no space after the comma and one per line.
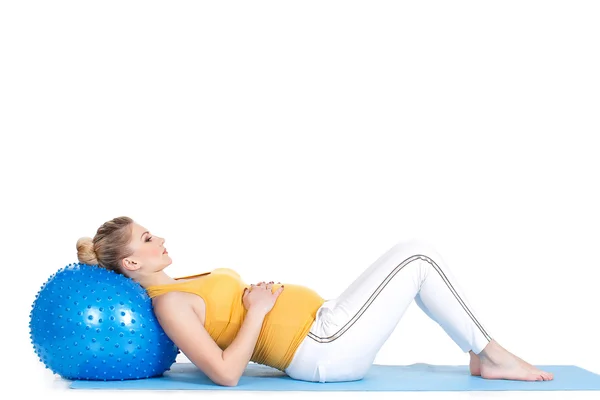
(256,311)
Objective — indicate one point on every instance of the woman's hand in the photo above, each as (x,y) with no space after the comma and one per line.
(260,297)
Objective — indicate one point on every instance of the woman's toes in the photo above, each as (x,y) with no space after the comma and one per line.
(547,376)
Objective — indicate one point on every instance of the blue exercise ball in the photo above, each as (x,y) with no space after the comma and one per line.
(90,323)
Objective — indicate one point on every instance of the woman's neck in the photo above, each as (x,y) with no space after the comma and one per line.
(155,279)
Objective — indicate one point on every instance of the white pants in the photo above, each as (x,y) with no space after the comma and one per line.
(349,330)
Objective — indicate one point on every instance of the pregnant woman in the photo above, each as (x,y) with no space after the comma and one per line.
(221,323)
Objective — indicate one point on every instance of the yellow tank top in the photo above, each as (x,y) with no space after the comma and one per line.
(283,329)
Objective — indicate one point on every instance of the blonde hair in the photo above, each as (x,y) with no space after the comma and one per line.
(109,246)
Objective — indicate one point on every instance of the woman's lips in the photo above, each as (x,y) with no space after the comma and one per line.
(165,252)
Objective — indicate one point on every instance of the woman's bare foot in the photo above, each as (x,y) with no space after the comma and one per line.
(495,362)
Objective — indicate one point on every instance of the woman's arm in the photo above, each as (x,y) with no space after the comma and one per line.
(182,325)
(237,355)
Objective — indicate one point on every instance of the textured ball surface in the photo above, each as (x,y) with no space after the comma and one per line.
(90,323)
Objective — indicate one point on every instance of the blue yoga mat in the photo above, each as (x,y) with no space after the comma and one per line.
(414,377)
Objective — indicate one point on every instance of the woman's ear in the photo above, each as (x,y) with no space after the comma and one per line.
(130,265)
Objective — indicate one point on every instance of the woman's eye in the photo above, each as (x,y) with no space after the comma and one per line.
(150,237)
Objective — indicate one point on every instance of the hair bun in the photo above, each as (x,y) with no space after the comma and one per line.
(85,251)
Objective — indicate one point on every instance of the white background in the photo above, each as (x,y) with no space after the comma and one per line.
(298,141)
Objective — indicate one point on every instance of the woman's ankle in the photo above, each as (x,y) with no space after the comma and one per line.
(491,351)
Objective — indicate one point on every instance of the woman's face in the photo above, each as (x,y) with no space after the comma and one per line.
(149,254)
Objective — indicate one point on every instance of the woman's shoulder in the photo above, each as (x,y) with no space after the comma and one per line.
(170,299)
(170,302)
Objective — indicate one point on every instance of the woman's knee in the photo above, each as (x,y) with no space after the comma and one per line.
(416,245)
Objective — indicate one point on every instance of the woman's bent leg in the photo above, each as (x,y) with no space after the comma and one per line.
(350,329)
